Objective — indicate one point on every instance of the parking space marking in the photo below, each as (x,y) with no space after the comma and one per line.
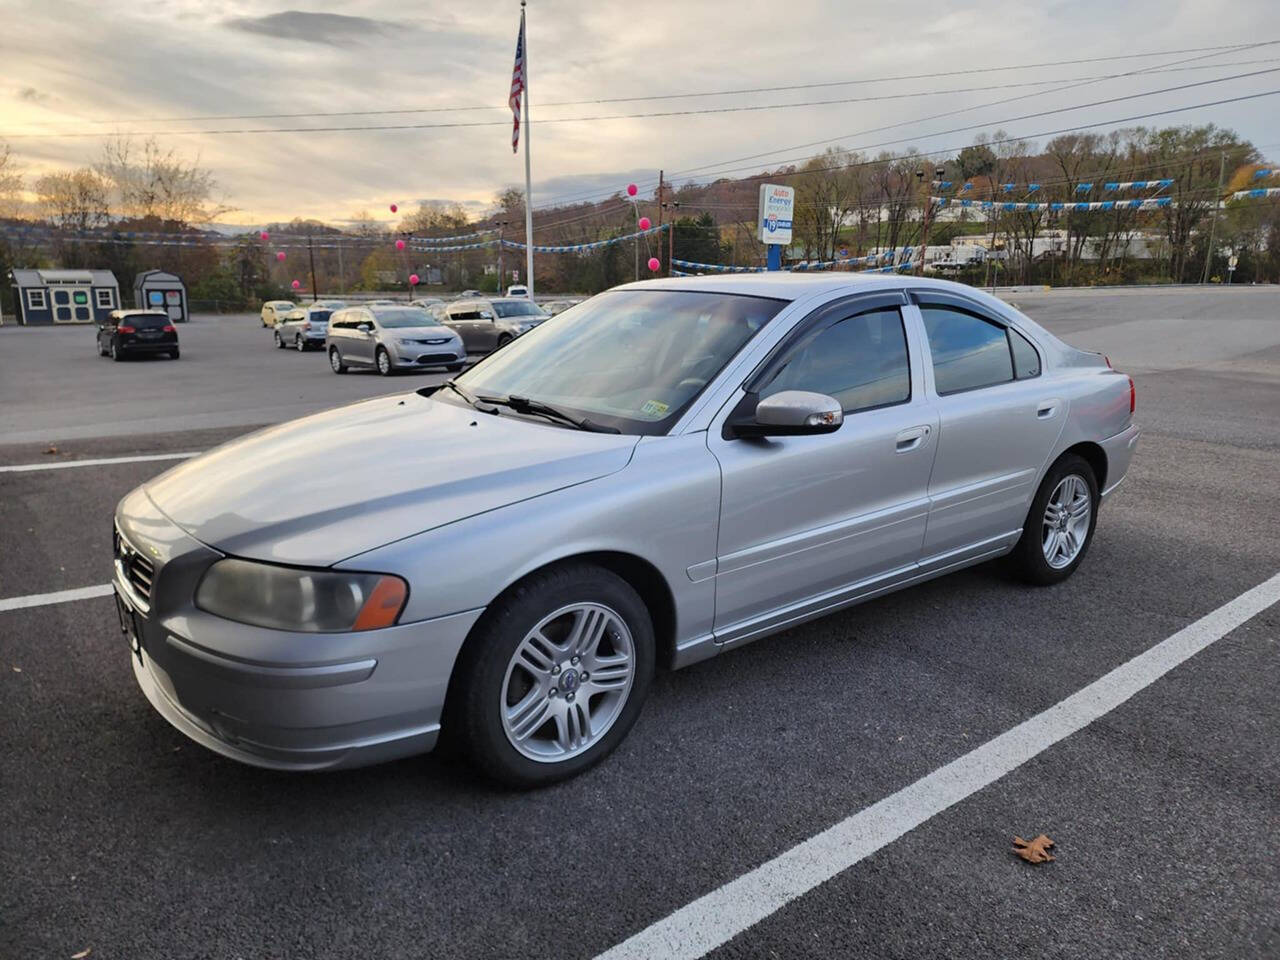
(58,596)
(717,917)
(101,461)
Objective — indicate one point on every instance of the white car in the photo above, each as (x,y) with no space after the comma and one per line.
(274,310)
(517,290)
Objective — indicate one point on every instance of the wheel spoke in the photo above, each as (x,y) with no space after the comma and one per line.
(529,714)
(588,628)
(610,673)
(537,654)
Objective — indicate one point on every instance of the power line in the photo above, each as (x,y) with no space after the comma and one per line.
(750,108)
(679,96)
(947,113)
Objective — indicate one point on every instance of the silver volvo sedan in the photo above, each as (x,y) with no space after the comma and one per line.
(660,473)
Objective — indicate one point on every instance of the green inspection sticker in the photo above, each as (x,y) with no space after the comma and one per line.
(654,408)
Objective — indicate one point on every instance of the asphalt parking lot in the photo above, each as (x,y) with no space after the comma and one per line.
(119,835)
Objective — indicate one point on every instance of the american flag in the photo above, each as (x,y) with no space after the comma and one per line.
(517,87)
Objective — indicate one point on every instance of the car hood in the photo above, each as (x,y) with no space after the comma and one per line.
(335,484)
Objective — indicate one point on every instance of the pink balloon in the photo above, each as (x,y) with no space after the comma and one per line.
(394,208)
(413,279)
(654,264)
(644,223)
(280,256)
(399,244)
(264,235)
(632,189)
(297,285)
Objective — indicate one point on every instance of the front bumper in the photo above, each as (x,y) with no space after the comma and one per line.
(406,356)
(272,698)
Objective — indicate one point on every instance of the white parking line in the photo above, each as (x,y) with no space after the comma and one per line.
(102,461)
(58,596)
(714,919)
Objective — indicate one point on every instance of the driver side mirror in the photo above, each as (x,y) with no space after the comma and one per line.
(364,328)
(789,413)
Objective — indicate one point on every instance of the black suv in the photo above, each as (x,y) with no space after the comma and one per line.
(130,332)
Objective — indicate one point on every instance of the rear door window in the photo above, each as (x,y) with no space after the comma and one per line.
(968,351)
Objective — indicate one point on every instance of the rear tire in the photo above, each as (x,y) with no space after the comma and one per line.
(1060,524)
(335,361)
(116,355)
(279,342)
(502,341)
(298,344)
(175,354)
(479,711)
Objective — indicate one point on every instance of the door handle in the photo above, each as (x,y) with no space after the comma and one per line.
(911,438)
(1047,409)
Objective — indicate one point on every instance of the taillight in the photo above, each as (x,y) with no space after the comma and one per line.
(306,324)
(1133,397)
(125,328)
(170,328)
(1108,359)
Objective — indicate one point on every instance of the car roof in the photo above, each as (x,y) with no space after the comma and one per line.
(784,285)
(138,313)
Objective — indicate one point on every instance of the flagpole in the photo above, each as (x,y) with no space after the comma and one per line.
(528,178)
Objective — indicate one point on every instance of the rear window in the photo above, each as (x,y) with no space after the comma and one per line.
(146,321)
(320,316)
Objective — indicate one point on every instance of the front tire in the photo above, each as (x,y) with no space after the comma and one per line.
(279,342)
(335,361)
(1060,524)
(503,341)
(383,360)
(553,676)
(298,344)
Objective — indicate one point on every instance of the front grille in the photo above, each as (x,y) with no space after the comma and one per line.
(138,570)
(438,358)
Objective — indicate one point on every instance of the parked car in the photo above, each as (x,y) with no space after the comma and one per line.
(518,290)
(131,333)
(668,471)
(305,327)
(487,325)
(391,338)
(273,310)
(427,302)
(466,294)
(556,307)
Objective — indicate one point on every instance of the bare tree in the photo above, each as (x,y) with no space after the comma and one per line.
(153,183)
(74,200)
(11,182)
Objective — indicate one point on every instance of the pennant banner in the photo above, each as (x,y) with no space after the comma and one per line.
(1138,185)
(1150,203)
(581,247)
(1256,192)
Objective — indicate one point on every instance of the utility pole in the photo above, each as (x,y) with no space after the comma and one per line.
(501,225)
(342,271)
(926,216)
(661,186)
(1213,224)
(311,252)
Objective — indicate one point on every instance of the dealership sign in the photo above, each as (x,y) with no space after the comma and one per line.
(776,205)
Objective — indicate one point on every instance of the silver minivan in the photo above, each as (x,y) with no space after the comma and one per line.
(390,338)
(486,325)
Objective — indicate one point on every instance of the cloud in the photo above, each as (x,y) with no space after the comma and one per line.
(330,28)
(32,95)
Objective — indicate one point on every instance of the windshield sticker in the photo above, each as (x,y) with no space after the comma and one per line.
(654,408)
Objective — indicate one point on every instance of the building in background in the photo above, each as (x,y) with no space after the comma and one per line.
(160,290)
(64,296)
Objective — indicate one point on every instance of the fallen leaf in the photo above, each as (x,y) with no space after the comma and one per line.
(52,450)
(17,669)
(1033,851)
(82,954)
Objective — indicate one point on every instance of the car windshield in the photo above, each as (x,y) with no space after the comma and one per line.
(516,308)
(406,317)
(630,359)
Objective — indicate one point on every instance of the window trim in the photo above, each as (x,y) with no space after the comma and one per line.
(98,298)
(1011,332)
(32,293)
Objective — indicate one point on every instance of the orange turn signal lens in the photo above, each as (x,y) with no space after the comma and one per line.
(383,607)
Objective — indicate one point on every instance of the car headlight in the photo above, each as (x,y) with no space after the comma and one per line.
(313,601)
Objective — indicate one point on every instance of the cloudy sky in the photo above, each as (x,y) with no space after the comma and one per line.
(69,65)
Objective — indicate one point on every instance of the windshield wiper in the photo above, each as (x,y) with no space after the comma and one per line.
(456,389)
(537,407)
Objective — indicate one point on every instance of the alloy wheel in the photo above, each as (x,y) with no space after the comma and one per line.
(384,363)
(567,682)
(1066,521)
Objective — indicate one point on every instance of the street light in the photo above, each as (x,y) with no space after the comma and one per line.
(501,226)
